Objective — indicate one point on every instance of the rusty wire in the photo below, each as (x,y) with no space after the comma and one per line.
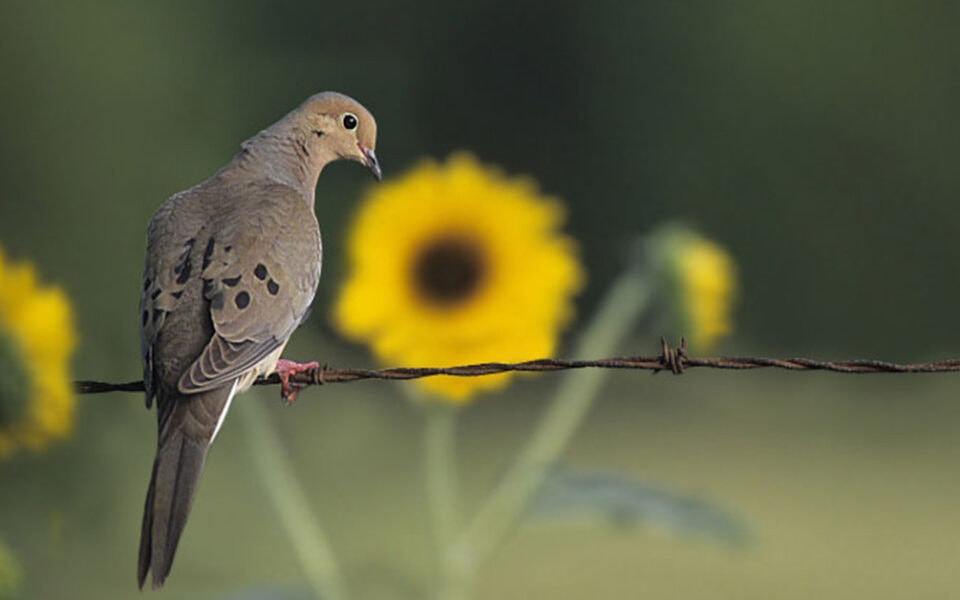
(670,359)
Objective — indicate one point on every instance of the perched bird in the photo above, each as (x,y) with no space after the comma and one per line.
(232,267)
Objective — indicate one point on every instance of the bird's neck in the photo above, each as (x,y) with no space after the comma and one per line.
(282,157)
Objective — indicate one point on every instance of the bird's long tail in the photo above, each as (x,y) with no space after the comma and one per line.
(187,427)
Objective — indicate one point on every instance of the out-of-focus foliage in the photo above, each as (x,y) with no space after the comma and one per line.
(10,575)
(574,495)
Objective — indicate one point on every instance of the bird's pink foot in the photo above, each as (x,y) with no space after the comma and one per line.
(285,368)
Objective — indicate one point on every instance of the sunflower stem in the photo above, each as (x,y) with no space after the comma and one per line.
(440,467)
(289,500)
(577,391)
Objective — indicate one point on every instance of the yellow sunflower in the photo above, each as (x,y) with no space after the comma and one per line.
(37,338)
(456,263)
(702,282)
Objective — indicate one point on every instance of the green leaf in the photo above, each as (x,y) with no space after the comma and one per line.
(11,577)
(572,495)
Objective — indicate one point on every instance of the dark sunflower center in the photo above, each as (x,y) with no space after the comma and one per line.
(14,381)
(448,271)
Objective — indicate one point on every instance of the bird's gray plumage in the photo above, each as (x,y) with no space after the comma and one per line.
(232,267)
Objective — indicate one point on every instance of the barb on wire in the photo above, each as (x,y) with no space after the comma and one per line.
(670,359)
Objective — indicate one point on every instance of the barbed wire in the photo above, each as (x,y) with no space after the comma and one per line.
(670,359)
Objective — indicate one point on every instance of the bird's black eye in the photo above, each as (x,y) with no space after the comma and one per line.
(350,121)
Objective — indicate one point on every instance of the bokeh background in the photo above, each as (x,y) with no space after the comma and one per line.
(816,140)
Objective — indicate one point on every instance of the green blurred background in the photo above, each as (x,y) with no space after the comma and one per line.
(815,140)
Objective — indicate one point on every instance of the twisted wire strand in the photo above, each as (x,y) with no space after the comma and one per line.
(670,359)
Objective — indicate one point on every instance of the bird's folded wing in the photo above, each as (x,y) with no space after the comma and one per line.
(223,361)
(259,277)
(167,272)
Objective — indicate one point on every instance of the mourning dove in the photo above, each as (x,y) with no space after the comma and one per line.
(232,267)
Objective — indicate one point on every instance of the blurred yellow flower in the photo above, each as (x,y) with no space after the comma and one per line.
(702,280)
(455,264)
(37,338)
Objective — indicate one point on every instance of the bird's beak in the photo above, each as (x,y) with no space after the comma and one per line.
(370,159)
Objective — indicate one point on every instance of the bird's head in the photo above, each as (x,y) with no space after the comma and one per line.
(341,126)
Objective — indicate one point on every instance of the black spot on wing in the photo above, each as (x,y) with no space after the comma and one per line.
(156,293)
(261,271)
(183,275)
(207,254)
(273,287)
(184,266)
(242,300)
(176,295)
(144,318)
(232,281)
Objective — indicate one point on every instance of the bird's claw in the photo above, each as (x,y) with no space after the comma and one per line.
(285,368)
